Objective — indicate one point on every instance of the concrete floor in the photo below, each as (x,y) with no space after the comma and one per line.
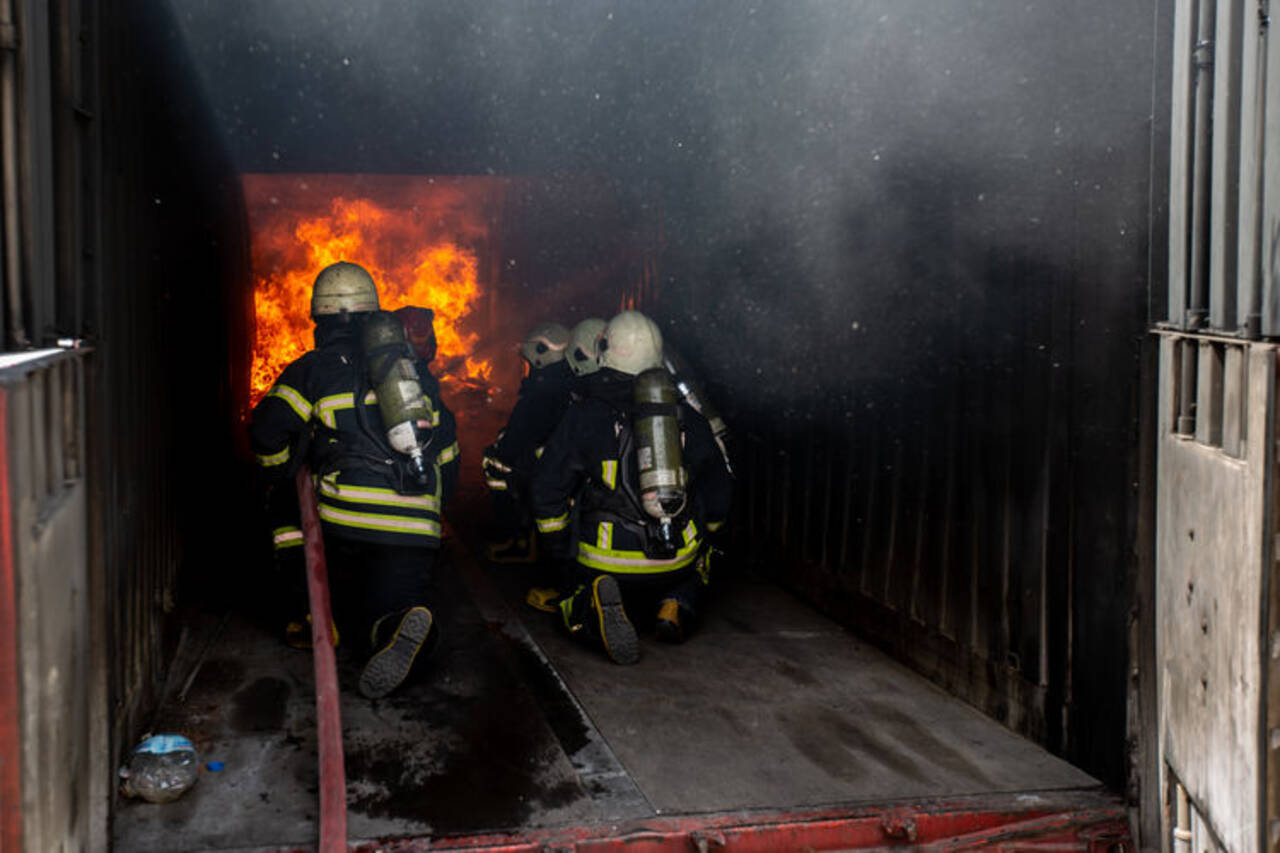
(768,706)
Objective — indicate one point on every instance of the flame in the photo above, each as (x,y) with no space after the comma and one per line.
(410,264)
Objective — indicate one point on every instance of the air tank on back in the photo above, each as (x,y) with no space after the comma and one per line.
(658,450)
(395,383)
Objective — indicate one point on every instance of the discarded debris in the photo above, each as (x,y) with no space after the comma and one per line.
(161,769)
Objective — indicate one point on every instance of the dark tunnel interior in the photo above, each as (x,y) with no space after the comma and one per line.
(906,244)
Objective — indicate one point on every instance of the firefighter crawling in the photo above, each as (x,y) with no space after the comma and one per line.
(630,480)
(380,451)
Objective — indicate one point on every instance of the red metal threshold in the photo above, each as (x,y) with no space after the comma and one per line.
(1084,821)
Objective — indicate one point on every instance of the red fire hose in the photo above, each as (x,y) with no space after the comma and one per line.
(333,777)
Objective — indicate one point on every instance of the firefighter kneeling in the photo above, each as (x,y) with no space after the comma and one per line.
(626,486)
(354,410)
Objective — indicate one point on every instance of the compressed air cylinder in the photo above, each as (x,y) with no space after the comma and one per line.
(395,381)
(658,448)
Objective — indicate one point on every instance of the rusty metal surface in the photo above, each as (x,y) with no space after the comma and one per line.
(45,576)
(126,233)
(10,699)
(1089,824)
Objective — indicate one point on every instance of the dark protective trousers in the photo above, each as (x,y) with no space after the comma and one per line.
(369,581)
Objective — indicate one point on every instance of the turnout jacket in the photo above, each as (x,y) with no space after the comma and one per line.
(540,404)
(587,482)
(310,416)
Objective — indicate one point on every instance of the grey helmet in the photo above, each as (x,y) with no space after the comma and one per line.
(584,346)
(343,288)
(545,344)
(631,343)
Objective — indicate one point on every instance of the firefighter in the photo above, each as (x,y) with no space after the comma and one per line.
(508,463)
(378,488)
(627,485)
(582,360)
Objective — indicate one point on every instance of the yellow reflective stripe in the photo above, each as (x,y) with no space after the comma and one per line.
(447,455)
(704,568)
(495,463)
(374,495)
(633,562)
(537,452)
(326,406)
(690,533)
(286,537)
(374,521)
(273,459)
(296,401)
(604,536)
(551,525)
(609,472)
(370,398)
(713,526)
(496,485)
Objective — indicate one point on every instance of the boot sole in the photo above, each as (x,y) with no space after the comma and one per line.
(388,668)
(621,642)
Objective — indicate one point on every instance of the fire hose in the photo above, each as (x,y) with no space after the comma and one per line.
(333,781)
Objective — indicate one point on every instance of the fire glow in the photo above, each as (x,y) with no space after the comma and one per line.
(412,245)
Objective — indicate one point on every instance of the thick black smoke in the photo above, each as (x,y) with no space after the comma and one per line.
(834,179)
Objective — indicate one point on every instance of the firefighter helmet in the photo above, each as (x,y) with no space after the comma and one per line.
(343,288)
(545,344)
(631,343)
(584,346)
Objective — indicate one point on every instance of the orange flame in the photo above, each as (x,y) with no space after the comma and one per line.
(396,246)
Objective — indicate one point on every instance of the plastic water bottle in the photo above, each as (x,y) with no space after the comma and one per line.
(161,769)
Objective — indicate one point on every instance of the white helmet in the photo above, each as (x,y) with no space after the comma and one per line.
(545,344)
(631,343)
(343,288)
(584,343)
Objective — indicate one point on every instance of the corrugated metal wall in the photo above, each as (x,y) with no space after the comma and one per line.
(170,372)
(930,342)
(978,522)
(126,240)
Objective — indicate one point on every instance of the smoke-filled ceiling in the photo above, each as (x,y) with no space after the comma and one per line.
(862,158)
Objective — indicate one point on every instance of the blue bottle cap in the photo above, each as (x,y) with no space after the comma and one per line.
(215,766)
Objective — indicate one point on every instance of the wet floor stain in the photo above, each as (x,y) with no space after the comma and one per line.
(479,751)
(490,769)
(260,706)
(817,732)
(735,723)
(918,736)
(553,698)
(795,674)
(739,624)
(218,677)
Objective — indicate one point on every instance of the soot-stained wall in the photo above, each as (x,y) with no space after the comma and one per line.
(164,254)
(918,279)
(907,243)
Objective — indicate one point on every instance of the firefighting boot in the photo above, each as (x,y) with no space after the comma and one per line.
(297,633)
(668,628)
(597,612)
(393,657)
(517,549)
(542,598)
